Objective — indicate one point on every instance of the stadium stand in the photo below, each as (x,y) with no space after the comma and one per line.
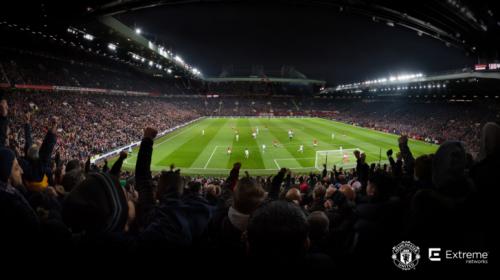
(58,109)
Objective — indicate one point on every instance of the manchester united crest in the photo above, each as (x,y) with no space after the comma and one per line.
(406,255)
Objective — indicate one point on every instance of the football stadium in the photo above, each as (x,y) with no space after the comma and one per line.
(246,137)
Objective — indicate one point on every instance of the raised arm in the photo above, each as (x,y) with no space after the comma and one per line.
(28,140)
(49,141)
(233,176)
(117,166)
(143,179)
(409,160)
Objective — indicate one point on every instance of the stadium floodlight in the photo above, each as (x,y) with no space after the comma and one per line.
(138,31)
(196,71)
(178,59)
(169,71)
(112,47)
(88,37)
(151,63)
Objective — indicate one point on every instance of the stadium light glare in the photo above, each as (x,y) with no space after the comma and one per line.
(112,47)
(138,31)
(88,37)
(178,59)
(169,71)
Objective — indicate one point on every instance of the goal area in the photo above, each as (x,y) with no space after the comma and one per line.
(341,158)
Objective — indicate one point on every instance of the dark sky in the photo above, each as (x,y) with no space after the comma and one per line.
(319,42)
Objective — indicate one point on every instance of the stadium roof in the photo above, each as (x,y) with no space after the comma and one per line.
(466,24)
(472,27)
(269,79)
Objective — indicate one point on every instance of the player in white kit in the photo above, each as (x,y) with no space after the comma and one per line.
(301,149)
(263,148)
(247,153)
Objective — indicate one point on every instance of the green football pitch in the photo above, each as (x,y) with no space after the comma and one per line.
(202,147)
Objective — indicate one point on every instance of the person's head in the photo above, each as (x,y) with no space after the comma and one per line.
(170,183)
(213,191)
(319,225)
(10,170)
(248,195)
(348,192)
(72,179)
(97,205)
(490,139)
(278,231)
(195,187)
(423,167)
(330,191)
(293,195)
(448,167)
(362,157)
(33,152)
(73,164)
(319,192)
(341,178)
(380,185)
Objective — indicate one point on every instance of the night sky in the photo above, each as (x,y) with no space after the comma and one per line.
(319,42)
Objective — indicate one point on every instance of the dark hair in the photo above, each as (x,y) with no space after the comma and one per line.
(384,184)
(318,225)
(194,186)
(248,195)
(277,230)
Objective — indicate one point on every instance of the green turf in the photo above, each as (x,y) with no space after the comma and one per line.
(207,154)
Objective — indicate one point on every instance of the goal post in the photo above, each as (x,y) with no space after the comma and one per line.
(341,158)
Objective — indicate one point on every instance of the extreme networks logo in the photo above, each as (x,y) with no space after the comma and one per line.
(466,257)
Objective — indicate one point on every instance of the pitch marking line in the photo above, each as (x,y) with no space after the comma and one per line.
(213,152)
(182,132)
(166,140)
(277,164)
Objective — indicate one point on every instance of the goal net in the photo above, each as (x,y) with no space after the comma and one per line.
(341,158)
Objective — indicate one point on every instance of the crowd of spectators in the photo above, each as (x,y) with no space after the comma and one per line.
(336,219)
(92,124)
(90,117)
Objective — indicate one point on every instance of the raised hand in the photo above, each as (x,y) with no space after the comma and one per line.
(4,108)
(389,153)
(150,133)
(356,154)
(123,154)
(27,117)
(54,122)
(403,139)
